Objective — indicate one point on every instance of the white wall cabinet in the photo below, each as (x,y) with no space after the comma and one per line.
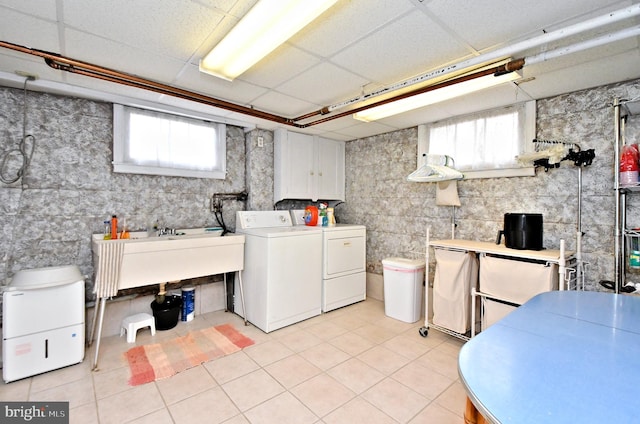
(307,167)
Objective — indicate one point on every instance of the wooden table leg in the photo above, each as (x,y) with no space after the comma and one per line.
(471,414)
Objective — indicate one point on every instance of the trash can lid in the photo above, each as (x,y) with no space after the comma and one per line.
(403,263)
(45,277)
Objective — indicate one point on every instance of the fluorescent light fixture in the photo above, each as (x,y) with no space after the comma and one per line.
(266,26)
(435,96)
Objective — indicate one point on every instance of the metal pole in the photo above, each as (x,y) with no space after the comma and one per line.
(616,186)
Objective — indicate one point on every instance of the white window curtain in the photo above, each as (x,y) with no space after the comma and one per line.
(150,142)
(484,141)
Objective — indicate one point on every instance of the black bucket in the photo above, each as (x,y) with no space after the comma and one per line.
(166,314)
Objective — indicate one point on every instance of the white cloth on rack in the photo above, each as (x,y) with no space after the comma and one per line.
(108,268)
(555,154)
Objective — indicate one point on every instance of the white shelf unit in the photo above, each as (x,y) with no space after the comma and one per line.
(562,258)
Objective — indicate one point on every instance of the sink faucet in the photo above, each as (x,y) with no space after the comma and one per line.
(166,231)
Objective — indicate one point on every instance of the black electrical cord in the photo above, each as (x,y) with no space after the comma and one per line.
(216,206)
(611,285)
(220,219)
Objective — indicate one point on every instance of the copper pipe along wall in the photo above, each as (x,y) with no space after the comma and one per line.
(514,65)
(326,110)
(59,62)
(323,111)
(62,63)
(169,90)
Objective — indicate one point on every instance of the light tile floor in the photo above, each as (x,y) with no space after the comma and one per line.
(353,365)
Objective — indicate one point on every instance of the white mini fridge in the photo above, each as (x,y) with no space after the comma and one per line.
(42,321)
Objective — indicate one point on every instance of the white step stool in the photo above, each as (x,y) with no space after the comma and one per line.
(135,322)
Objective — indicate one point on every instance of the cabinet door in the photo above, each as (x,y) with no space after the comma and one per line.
(301,172)
(307,167)
(294,177)
(330,169)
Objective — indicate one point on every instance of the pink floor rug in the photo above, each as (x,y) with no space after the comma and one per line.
(162,360)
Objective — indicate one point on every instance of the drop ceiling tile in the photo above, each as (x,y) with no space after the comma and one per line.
(417,117)
(336,136)
(484,24)
(283,105)
(620,67)
(484,100)
(281,65)
(30,64)
(490,98)
(40,9)
(577,59)
(577,11)
(323,84)
(165,69)
(365,129)
(354,44)
(337,125)
(237,91)
(408,47)
(235,7)
(41,34)
(345,23)
(121,57)
(170,28)
(612,62)
(96,85)
(216,32)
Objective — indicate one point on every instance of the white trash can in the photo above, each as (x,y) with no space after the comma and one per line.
(403,280)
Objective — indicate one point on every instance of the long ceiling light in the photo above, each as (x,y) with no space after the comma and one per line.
(435,96)
(266,26)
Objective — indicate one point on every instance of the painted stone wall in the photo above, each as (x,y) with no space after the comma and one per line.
(397,212)
(69,189)
(259,170)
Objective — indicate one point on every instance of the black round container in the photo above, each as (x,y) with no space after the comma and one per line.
(523,231)
(166,314)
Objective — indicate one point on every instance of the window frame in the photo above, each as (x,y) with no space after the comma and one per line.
(528,110)
(122,164)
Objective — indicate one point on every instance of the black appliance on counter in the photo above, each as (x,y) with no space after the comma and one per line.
(522,231)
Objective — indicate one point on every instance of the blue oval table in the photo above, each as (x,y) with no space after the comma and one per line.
(562,357)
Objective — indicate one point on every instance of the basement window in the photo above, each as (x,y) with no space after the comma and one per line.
(485,144)
(160,143)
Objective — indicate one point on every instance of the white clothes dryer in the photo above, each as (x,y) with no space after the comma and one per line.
(344,280)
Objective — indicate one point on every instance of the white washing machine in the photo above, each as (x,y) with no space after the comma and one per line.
(344,280)
(42,321)
(282,276)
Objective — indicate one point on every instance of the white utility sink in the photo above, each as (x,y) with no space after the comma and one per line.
(181,233)
(194,233)
(143,260)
